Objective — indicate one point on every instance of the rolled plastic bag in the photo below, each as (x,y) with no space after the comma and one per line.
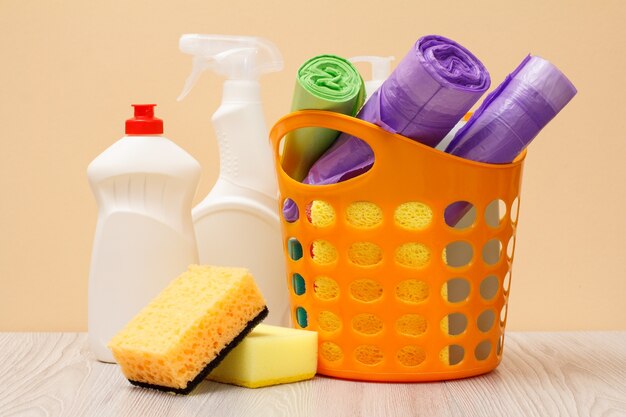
(430,90)
(510,117)
(514,113)
(324,82)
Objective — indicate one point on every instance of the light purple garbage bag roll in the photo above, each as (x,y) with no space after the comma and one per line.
(510,117)
(430,90)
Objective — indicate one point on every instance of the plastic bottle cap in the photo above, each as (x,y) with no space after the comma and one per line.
(144,122)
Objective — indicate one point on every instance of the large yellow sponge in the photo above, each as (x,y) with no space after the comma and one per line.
(177,339)
(270,355)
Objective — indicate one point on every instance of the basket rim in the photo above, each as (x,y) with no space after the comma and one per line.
(308,118)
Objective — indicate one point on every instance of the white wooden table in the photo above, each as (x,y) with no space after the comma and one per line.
(542,374)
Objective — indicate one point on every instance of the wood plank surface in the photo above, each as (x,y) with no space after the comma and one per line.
(542,374)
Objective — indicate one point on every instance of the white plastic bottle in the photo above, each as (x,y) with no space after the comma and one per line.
(237,223)
(144,185)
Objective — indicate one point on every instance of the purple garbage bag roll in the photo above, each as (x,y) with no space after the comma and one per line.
(510,117)
(430,90)
(514,113)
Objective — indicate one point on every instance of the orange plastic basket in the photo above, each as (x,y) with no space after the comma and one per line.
(395,319)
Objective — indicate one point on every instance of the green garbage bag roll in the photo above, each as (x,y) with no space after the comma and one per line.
(325,82)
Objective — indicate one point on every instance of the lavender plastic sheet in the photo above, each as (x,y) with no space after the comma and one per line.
(430,90)
(511,117)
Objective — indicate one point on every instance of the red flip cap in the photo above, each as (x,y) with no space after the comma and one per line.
(144,122)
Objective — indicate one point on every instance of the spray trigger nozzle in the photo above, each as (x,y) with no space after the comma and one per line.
(236,57)
(200,64)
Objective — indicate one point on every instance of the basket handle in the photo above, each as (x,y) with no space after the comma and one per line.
(373,135)
(363,130)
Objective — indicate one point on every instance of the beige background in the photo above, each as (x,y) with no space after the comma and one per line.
(70,70)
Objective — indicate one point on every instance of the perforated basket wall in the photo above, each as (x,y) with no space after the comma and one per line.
(374,268)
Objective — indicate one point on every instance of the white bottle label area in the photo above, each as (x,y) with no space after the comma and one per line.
(120,286)
(231,234)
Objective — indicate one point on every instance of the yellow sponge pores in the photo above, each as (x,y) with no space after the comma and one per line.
(270,355)
(177,339)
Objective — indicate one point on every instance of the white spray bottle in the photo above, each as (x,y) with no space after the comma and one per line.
(381,68)
(144,186)
(237,223)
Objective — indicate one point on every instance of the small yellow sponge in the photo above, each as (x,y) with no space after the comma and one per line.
(413,215)
(323,252)
(177,339)
(320,213)
(269,355)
